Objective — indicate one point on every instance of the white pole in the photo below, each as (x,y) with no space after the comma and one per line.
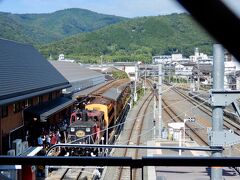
(145,79)
(154,114)
(180,142)
(184,131)
(101,58)
(160,99)
(135,84)
(198,79)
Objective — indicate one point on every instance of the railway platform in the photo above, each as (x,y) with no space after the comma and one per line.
(186,173)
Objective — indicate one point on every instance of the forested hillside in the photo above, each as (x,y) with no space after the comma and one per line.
(134,39)
(44,28)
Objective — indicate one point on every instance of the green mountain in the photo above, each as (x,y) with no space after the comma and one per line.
(134,39)
(44,28)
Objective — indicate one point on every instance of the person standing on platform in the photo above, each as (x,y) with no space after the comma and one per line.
(48,140)
(40,141)
(53,139)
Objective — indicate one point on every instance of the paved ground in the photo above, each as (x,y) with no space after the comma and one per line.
(186,173)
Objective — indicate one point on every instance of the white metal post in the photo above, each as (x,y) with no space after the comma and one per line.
(135,84)
(101,59)
(154,114)
(198,79)
(180,142)
(184,131)
(160,99)
(145,79)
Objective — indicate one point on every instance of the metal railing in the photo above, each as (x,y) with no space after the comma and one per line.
(121,161)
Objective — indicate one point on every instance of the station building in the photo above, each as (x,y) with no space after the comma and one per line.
(79,77)
(30,93)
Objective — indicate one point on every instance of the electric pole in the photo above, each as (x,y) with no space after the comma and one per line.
(135,84)
(154,109)
(145,78)
(217,113)
(160,99)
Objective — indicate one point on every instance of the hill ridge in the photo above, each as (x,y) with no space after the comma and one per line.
(48,27)
(134,39)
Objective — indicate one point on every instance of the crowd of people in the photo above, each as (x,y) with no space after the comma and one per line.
(49,138)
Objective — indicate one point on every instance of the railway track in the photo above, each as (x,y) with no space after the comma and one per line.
(196,133)
(176,118)
(85,172)
(199,136)
(110,84)
(228,123)
(135,138)
(72,173)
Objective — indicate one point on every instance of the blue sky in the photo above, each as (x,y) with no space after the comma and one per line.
(126,8)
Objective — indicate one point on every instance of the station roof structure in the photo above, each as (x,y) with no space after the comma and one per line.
(46,109)
(25,73)
(112,93)
(74,72)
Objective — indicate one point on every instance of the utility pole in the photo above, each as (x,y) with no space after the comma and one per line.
(135,84)
(198,79)
(101,59)
(154,107)
(217,113)
(145,79)
(160,99)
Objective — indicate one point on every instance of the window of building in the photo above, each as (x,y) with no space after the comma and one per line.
(40,99)
(57,93)
(17,107)
(50,96)
(28,102)
(4,111)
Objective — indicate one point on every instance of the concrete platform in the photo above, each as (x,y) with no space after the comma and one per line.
(186,173)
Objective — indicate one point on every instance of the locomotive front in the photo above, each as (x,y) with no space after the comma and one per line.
(86,128)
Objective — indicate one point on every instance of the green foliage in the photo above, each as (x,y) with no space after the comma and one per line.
(136,39)
(140,93)
(119,75)
(44,28)
(85,36)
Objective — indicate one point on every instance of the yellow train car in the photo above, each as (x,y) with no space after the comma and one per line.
(111,103)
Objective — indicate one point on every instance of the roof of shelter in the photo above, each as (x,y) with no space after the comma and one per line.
(25,73)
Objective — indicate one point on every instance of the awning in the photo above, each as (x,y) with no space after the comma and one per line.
(43,111)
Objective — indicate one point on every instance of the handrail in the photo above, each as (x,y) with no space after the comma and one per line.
(202,148)
(121,161)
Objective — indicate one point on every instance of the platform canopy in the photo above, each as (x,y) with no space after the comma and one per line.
(43,111)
